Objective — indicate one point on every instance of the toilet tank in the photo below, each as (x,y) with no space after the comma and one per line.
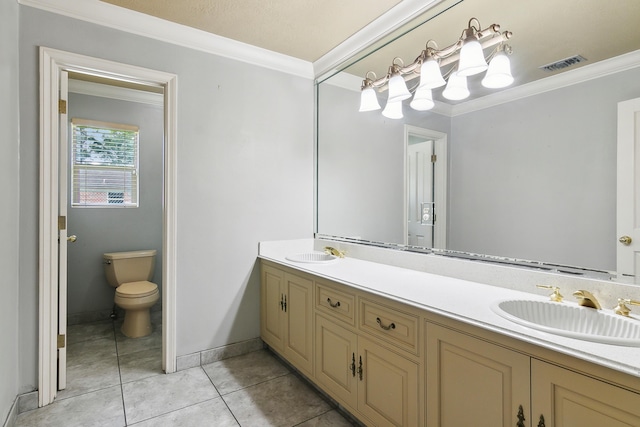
(132,266)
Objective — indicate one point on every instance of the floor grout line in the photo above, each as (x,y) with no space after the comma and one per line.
(115,339)
(220,395)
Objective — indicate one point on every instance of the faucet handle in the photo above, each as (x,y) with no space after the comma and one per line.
(555,296)
(622,309)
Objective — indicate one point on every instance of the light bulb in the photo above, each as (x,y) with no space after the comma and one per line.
(456,88)
(393,110)
(369,100)
(499,72)
(430,75)
(471,58)
(397,89)
(422,100)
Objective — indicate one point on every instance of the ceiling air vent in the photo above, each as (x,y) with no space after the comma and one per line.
(563,63)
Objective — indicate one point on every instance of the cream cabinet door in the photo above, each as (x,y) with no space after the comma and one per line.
(272,306)
(298,309)
(471,382)
(568,399)
(335,368)
(388,388)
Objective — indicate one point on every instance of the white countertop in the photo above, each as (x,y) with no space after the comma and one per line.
(462,300)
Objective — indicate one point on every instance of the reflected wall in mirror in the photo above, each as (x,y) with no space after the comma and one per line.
(531,169)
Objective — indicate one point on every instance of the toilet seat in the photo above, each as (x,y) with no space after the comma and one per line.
(136,289)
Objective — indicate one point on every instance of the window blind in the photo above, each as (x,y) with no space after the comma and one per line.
(104,159)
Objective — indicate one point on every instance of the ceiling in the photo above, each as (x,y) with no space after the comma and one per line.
(304,29)
(544,31)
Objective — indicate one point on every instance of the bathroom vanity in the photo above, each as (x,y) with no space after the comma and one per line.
(400,347)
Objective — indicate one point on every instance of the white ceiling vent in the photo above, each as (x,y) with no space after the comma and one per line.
(563,63)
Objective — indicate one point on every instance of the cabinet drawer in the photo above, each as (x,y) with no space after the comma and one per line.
(339,305)
(390,324)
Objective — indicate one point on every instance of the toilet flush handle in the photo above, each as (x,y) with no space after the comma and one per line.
(72,238)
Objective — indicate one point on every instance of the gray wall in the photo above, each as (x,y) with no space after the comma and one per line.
(541,171)
(101,230)
(245,156)
(9,170)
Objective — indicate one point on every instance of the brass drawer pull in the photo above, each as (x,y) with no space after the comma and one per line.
(336,305)
(541,422)
(386,328)
(521,418)
(353,364)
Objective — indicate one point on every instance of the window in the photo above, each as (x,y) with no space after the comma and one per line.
(104,162)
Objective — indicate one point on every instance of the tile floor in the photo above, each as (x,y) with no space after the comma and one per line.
(117,381)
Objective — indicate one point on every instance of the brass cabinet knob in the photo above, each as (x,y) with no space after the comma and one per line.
(72,238)
(625,240)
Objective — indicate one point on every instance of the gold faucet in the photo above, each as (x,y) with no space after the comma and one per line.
(556,295)
(587,299)
(334,251)
(622,309)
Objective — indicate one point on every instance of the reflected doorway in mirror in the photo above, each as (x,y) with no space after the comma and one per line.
(425,187)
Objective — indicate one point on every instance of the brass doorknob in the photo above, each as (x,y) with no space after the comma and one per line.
(625,240)
(72,238)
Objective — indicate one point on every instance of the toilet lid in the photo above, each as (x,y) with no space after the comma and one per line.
(136,289)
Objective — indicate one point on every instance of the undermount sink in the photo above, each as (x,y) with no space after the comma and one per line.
(571,320)
(312,257)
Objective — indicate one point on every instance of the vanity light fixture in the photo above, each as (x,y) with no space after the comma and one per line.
(466,58)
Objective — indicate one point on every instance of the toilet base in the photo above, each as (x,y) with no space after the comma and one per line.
(137,323)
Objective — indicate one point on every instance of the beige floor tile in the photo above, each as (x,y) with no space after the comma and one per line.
(143,364)
(85,352)
(285,401)
(161,394)
(128,345)
(90,331)
(212,413)
(98,409)
(243,371)
(96,373)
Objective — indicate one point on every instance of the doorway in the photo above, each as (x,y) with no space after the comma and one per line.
(425,207)
(54,66)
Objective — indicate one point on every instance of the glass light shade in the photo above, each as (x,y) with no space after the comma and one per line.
(499,72)
(369,100)
(430,75)
(393,110)
(456,88)
(397,89)
(471,58)
(422,100)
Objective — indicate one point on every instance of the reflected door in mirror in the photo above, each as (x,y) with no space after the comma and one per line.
(420,215)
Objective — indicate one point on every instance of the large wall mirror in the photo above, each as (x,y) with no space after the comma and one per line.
(529,171)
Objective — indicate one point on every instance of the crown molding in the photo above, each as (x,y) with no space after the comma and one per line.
(108,15)
(115,92)
(568,78)
(397,16)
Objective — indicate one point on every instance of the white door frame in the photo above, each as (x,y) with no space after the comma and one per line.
(440,182)
(52,63)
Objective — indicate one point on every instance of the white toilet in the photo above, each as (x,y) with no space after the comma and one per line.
(129,273)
